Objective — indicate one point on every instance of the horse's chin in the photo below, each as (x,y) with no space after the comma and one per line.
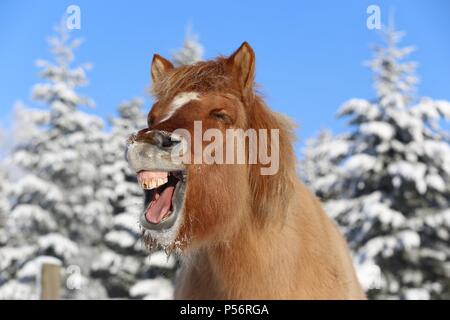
(164,198)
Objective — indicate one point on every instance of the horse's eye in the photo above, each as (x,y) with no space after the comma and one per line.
(221,115)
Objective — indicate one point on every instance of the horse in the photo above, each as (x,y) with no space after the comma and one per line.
(240,232)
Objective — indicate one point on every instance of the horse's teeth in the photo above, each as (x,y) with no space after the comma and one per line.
(151,183)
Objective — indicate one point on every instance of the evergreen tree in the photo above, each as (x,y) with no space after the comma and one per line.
(319,166)
(4,204)
(4,187)
(191,52)
(390,191)
(59,207)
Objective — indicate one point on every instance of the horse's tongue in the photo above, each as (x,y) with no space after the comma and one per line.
(160,207)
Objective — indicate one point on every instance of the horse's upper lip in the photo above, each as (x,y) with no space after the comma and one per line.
(143,156)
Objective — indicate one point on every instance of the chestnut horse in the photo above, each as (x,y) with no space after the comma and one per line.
(240,234)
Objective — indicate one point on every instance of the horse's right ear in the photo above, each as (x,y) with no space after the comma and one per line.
(160,67)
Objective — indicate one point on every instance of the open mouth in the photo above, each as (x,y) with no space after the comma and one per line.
(163,198)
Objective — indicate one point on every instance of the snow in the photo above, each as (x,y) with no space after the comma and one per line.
(335,207)
(105,261)
(114,263)
(409,238)
(122,239)
(432,109)
(59,245)
(376,209)
(27,217)
(407,122)
(153,289)
(387,246)
(32,269)
(417,294)
(435,181)
(325,183)
(439,151)
(161,260)
(42,91)
(440,219)
(12,255)
(127,221)
(31,184)
(359,107)
(410,171)
(26,122)
(191,52)
(360,162)
(383,130)
(444,108)
(15,290)
(427,109)
(369,275)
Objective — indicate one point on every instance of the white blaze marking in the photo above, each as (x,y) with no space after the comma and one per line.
(179,101)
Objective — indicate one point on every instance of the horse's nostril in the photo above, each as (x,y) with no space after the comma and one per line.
(161,139)
(166,143)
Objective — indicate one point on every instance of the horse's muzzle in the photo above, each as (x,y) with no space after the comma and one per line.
(153,150)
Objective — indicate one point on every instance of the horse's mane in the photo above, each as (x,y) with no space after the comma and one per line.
(202,76)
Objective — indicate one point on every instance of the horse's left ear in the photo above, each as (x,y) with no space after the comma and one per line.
(242,65)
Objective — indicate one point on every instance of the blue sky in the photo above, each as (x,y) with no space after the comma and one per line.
(310,54)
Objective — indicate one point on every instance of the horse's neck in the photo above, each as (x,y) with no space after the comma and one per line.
(245,262)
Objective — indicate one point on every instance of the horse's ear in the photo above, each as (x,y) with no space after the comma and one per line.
(242,65)
(160,67)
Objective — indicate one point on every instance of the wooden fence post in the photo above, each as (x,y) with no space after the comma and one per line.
(50,281)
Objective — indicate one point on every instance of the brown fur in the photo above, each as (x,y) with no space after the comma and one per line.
(245,235)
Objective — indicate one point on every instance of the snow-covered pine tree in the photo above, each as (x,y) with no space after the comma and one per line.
(191,52)
(319,166)
(390,192)
(58,206)
(124,267)
(4,204)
